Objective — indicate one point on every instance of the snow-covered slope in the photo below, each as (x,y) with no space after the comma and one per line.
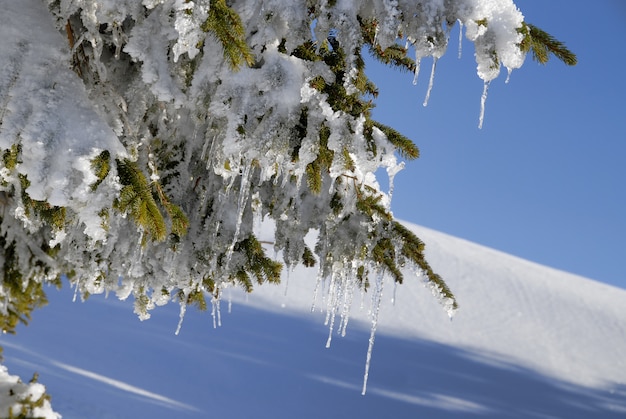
(527,342)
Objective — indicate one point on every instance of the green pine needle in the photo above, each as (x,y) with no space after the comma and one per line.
(412,249)
(136,200)
(405,146)
(542,44)
(226,24)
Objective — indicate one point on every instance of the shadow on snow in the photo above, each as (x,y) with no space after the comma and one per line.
(98,361)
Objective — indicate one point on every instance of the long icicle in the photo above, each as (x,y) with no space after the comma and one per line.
(460,39)
(244,193)
(483,99)
(376,300)
(418,61)
(347,304)
(430,82)
(331,310)
(181,316)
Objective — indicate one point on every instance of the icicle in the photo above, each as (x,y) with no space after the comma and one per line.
(483,99)
(392,171)
(430,82)
(331,308)
(75,293)
(460,38)
(417,69)
(244,193)
(376,35)
(216,312)
(376,299)
(118,39)
(289,269)
(230,301)
(508,75)
(208,143)
(347,305)
(257,211)
(183,310)
(320,273)
(318,282)
(395,288)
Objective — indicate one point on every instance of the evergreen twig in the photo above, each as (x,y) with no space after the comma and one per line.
(542,44)
(226,24)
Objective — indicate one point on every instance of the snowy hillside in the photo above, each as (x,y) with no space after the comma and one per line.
(527,342)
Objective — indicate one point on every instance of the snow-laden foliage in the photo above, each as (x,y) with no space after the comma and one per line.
(143,142)
(23,400)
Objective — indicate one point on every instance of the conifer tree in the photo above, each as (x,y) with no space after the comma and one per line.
(202,118)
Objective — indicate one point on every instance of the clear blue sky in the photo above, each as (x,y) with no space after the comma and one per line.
(545,179)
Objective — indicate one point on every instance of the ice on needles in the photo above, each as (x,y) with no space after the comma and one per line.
(144,140)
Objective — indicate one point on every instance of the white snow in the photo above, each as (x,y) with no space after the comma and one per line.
(13,392)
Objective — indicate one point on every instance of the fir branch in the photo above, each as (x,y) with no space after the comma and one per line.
(178,218)
(257,263)
(196,298)
(370,205)
(226,24)
(52,215)
(307,51)
(101,165)
(384,254)
(542,44)
(137,200)
(10,156)
(308,259)
(413,249)
(405,146)
(394,55)
(321,164)
(19,294)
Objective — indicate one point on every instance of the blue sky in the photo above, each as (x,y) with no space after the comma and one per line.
(545,177)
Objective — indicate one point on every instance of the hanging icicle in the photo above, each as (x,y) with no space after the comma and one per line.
(334,297)
(430,82)
(377,297)
(347,304)
(508,75)
(215,312)
(244,194)
(460,38)
(417,69)
(181,316)
(483,99)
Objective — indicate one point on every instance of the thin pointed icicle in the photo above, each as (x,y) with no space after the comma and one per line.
(508,75)
(289,269)
(376,300)
(376,35)
(483,99)
(181,317)
(216,312)
(331,310)
(73,298)
(430,82)
(418,61)
(320,276)
(347,305)
(244,193)
(318,282)
(460,39)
